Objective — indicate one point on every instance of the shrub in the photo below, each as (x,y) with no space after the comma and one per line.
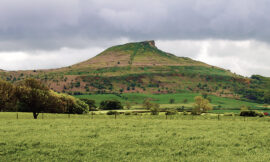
(147,104)
(201,105)
(127,113)
(171,112)
(185,100)
(204,95)
(251,113)
(90,103)
(155,109)
(185,113)
(209,99)
(112,112)
(80,107)
(128,105)
(111,105)
(180,109)
(62,103)
(171,101)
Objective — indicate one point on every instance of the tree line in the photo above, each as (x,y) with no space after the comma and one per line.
(31,95)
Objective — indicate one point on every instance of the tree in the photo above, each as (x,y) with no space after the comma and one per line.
(69,104)
(90,103)
(155,109)
(147,104)
(209,99)
(34,95)
(80,107)
(7,96)
(172,100)
(201,105)
(267,97)
(128,105)
(204,95)
(110,105)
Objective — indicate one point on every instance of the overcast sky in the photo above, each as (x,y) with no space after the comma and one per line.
(38,34)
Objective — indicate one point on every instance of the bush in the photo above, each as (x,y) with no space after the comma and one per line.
(80,107)
(62,103)
(134,113)
(111,112)
(180,109)
(147,104)
(185,100)
(128,105)
(90,103)
(127,113)
(251,113)
(171,112)
(171,101)
(111,105)
(155,109)
(201,105)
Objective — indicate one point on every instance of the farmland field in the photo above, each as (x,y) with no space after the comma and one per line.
(137,99)
(133,138)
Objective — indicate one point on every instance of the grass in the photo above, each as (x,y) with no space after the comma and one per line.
(132,138)
(137,99)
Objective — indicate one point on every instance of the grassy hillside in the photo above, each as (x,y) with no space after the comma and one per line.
(136,100)
(141,67)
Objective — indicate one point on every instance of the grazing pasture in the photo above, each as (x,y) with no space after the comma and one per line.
(133,138)
(179,100)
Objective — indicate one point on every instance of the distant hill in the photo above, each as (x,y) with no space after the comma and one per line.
(137,54)
(141,67)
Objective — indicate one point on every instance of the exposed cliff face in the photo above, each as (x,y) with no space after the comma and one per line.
(151,43)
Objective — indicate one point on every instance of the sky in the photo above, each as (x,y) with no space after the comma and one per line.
(232,34)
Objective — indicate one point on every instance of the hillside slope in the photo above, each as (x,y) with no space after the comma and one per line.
(142,68)
(136,54)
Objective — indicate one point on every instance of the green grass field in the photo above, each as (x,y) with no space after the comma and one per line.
(137,99)
(133,138)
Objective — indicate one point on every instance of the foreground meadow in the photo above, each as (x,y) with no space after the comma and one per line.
(133,138)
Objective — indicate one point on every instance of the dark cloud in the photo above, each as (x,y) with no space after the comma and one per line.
(52,24)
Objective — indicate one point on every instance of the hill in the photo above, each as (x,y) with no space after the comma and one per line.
(141,67)
(137,54)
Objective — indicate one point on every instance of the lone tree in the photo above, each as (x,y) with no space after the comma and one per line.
(34,96)
(201,105)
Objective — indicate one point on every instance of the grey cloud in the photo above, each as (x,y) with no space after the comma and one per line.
(52,24)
